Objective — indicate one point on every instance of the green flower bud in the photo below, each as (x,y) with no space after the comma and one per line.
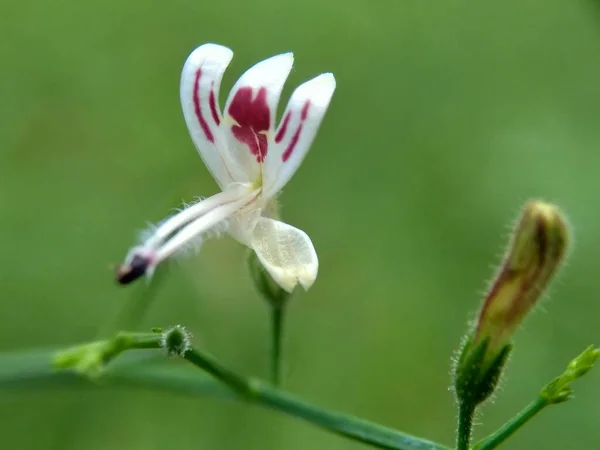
(538,246)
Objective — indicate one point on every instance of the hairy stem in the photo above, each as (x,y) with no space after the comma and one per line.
(466,411)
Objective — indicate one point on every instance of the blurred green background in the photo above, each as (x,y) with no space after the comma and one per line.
(447,117)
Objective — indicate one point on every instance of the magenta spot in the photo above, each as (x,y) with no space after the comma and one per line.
(213,106)
(292,145)
(283,127)
(198,110)
(305,110)
(252,118)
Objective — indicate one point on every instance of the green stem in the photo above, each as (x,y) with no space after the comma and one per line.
(466,411)
(277,314)
(510,427)
(210,364)
(35,371)
(134,373)
(351,427)
(91,358)
(555,392)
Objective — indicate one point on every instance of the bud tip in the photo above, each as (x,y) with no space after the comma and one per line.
(537,248)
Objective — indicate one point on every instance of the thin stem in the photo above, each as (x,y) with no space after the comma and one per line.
(132,372)
(130,315)
(555,392)
(85,358)
(90,358)
(277,315)
(256,391)
(466,411)
(210,364)
(510,427)
(350,427)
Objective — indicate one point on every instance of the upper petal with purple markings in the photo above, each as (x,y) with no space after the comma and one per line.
(199,90)
(250,111)
(296,132)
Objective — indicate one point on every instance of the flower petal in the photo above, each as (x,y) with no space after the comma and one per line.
(296,132)
(199,90)
(286,252)
(250,112)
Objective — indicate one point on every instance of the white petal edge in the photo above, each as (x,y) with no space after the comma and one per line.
(286,252)
(293,139)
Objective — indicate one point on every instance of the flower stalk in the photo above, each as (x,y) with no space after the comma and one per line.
(277,299)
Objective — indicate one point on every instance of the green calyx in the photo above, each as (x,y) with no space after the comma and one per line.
(477,373)
(265,285)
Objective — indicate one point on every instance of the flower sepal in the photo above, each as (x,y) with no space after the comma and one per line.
(478,371)
(268,288)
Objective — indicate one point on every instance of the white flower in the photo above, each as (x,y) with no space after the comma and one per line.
(249,157)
